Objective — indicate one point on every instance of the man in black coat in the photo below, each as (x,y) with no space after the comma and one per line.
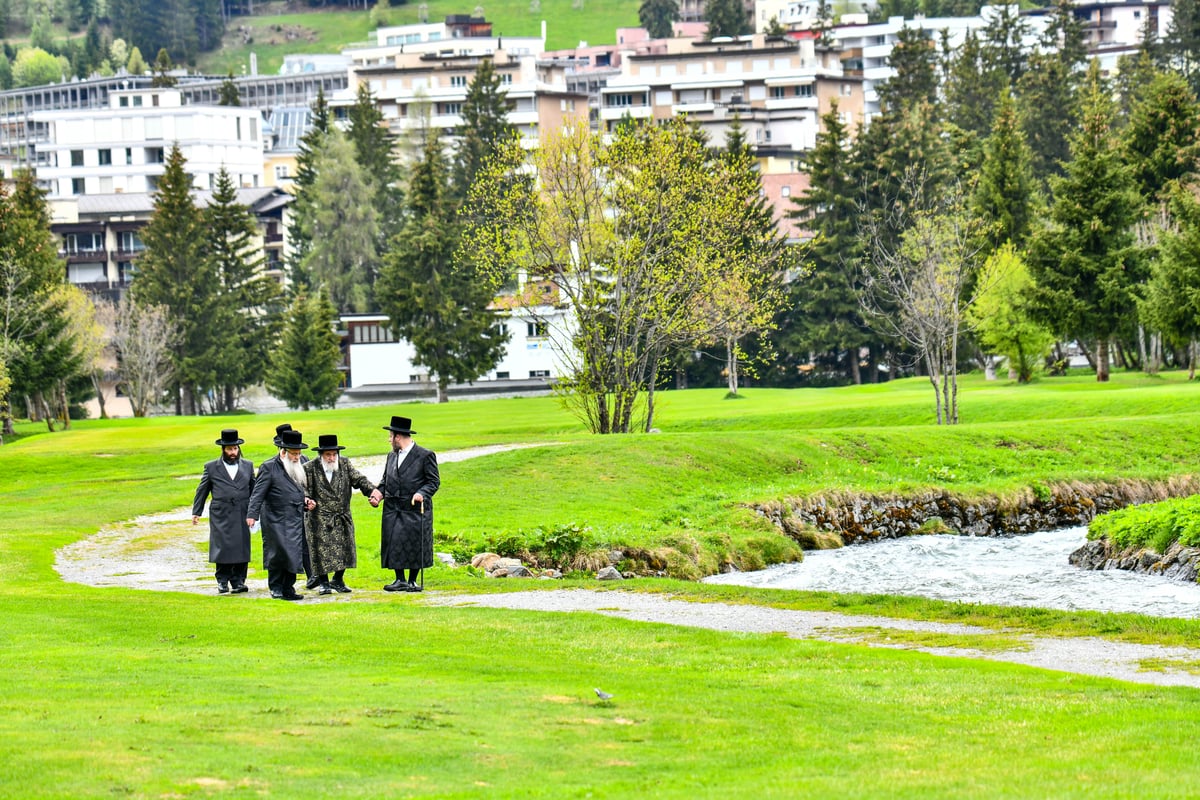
(410,478)
(279,496)
(229,479)
(312,581)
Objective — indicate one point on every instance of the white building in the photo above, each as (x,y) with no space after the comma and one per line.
(123,148)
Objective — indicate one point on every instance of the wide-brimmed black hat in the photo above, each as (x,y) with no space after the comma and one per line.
(229,438)
(327,441)
(280,429)
(291,440)
(400,425)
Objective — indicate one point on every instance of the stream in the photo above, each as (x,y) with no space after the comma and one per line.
(1029,570)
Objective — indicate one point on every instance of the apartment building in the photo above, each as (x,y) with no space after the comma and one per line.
(777,87)
(123,148)
(101,233)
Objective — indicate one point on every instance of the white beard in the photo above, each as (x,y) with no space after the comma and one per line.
(295,471)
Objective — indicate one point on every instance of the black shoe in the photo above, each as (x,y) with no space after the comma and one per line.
(340,588)
(396,586)
(222,587)
(413,587)
(276,595)
(294,596)
(239,588)
(313,583)
(325,589)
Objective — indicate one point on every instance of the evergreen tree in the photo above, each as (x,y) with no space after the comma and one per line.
(1171,301)
(1082,263)
(300,231)
(304,368)
(1004,48)
(345,227)
(658,17)
(441,307)
(1047,94)
(972,85)
(726,18)
(1004,197)
(249,302)
(162,70)
(914,58)
(136,64)
(1181,45)
(1162,139)
(485,126)
(228,95)
(374,149)
(176,271)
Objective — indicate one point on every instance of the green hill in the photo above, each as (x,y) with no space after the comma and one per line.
(271,33)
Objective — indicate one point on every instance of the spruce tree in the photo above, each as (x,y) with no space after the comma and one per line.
(1162,139)
(250,301)
(162,70)
(304,369)
(1004,197)
(485,126)
(914,58)
(374,149)
(300,231)
(658,17)
(442,308)
(228,95)
(1082,262)
(1181,45)
(726,18)
(176,271)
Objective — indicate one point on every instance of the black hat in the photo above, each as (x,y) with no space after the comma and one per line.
(291,440)
(280,429)
(327,441)
(229,438)
(400,425)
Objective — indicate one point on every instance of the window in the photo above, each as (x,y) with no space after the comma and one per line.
(123,102)
(125,272)
(371,333)
(452,108)
(619,100)
(281,172)
(778,92)
(506,80)
(137,100)
(501,376)
(128,156)
(154,100)
(76,158)
(539,373)
(534,330)
(76,185)
(74,243)
(105,157)
(458,80)
(154,155)
(804,91)
(130,242)
(785,191)
(846,90)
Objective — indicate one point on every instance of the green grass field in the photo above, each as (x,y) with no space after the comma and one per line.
(271,35)
(109,692)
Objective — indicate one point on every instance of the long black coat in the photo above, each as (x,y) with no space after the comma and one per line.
(228,536)
(407,541)
(279,503)
(330,526)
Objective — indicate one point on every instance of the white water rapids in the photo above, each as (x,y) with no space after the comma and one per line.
(1030,570)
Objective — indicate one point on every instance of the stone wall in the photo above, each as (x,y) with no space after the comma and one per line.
(859,518)
(1179,562)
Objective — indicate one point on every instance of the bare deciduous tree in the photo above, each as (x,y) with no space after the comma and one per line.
(141,339)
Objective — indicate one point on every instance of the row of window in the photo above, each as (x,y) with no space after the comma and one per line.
(127,242)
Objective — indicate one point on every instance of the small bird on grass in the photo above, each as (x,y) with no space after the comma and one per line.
(603,695)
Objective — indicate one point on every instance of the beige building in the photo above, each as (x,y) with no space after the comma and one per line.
(777,87)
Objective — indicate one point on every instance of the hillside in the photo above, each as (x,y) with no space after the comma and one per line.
(277,29)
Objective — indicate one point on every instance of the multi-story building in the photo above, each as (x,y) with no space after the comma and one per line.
(123,148)
(777,87)
(101,234)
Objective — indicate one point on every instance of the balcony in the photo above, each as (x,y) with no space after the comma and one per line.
(126,255)
(84,256)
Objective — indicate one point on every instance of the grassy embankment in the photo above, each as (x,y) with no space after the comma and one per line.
(117,692)
(272,35)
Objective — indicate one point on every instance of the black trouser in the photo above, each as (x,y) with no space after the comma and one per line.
(337,577)
(412,575)
(232,573)
(281,582)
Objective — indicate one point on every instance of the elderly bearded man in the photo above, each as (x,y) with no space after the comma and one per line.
(410,477)
(308,573)
(230,480)
(330,527)
(279,494)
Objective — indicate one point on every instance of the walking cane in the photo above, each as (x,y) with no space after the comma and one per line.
(421,571)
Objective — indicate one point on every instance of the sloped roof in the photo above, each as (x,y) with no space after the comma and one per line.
(257,198)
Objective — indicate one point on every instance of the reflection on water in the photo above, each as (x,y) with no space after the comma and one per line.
(1015,571)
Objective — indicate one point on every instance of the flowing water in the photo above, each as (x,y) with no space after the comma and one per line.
(1029,570)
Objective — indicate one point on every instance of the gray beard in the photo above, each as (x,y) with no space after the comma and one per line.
(295,471)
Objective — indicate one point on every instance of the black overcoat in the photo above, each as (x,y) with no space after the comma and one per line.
(330,527)
(407,541)
(228,536)
(279,504)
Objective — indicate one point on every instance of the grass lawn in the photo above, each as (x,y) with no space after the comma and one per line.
(271,35)
(115,692)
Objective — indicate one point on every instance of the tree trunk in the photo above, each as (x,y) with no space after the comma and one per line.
(731,365)
(1145,355)
(650,397)
(99,393)
(855,370)
(1102,361)
(443,394)
(1192,360)
(6,418)
(937,390)
(989,368)
(33,409)
(64,405)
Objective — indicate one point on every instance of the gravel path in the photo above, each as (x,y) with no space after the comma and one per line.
(165,552)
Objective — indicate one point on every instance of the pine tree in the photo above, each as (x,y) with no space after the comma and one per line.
(304,369)
(485,126)
(1162,139)
(914,59)
(162,70)
(726,18)
(1181,45)
(300,231)
(374,149)
(1048,92)
(344,221)
(658,17)
(228,95)
(972,85)
(1004,197)
(176,271)
(249,302)
(439,306)
(1082,263)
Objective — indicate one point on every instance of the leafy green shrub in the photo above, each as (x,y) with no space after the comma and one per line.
(1153,525)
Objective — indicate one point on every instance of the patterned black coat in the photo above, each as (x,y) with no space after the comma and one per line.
(228,536)
(407,540)
(330,526)
(279,503)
